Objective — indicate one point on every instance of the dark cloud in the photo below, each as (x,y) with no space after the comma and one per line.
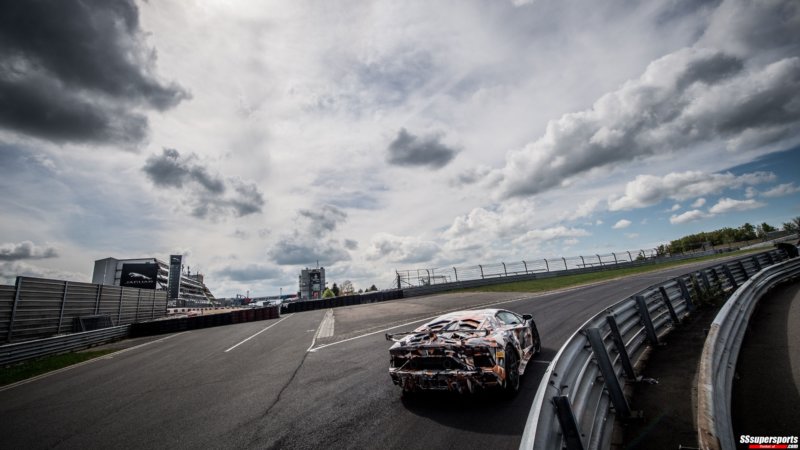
(324,220)
(311,240)
(209,196)
(410,150)
(350,244)
(25,250)
(171,170)
(765,30)
(299,251)
(78,71)
(250,272)
(470,176)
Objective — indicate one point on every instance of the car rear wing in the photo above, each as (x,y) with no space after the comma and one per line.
(397,337)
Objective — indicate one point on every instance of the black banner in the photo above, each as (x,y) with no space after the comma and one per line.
(142,276)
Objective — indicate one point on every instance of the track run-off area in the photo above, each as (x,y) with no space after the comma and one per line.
(316,379)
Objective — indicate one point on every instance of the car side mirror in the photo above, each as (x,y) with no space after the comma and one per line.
(527,317)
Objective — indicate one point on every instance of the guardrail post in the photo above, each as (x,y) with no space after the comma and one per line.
(526,266)
(17,289)
(744,271)
(619,344)
(756,263)
(583,263)
(565,262)
(546,266)
(607,370)
(455,272)
(646,321)
(569,426)
(481,267)
(769,257)
(727,271)
(63,304)
(97,299)
(706,281)
(665,297)
(504,268)
(685,293)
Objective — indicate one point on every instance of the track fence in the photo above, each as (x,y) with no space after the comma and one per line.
(35,308)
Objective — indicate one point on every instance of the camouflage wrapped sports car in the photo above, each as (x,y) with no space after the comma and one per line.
(464,351)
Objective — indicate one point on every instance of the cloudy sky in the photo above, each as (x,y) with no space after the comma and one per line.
(258,138)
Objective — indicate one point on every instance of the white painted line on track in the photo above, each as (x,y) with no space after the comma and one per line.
(325,329)
(251,337)
(310,349)
(481,306)
(64,369)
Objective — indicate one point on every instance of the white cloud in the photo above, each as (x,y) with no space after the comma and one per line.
(699,203)
(689,216)
(675,207)
(648,190)
(622,223)
(781,190)
(726,205)
(683,100)
(548,234)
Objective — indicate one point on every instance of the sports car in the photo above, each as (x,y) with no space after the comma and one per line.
(464,351)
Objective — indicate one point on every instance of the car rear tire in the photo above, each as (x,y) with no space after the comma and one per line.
(537,348)
(512,372)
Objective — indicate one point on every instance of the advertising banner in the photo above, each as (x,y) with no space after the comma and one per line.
(142,276)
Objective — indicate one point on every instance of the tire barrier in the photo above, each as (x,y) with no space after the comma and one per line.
(336,302)
(582,392)
(721,351)
(197,322)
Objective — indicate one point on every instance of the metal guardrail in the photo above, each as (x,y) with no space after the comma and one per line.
(13,353)
(416,278)
(553,271)
(721,351)
(573,409)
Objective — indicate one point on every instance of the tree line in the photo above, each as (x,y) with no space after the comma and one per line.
(726,235)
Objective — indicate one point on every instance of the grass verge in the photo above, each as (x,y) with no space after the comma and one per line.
(561,282)
(28,369)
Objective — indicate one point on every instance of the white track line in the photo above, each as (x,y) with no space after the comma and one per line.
(64,369)
(251,337)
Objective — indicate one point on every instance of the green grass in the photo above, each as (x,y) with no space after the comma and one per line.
(28,369)
(561,282)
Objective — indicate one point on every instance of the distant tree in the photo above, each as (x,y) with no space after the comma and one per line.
(748,232)
(347,288)
(335,290)
(372,288)
(360,291)
(328,293)
(765,228)
(792,226)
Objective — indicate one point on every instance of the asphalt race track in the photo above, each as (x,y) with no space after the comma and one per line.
(212,389)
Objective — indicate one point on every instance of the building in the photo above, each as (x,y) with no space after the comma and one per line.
(152,273)
(312,283)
